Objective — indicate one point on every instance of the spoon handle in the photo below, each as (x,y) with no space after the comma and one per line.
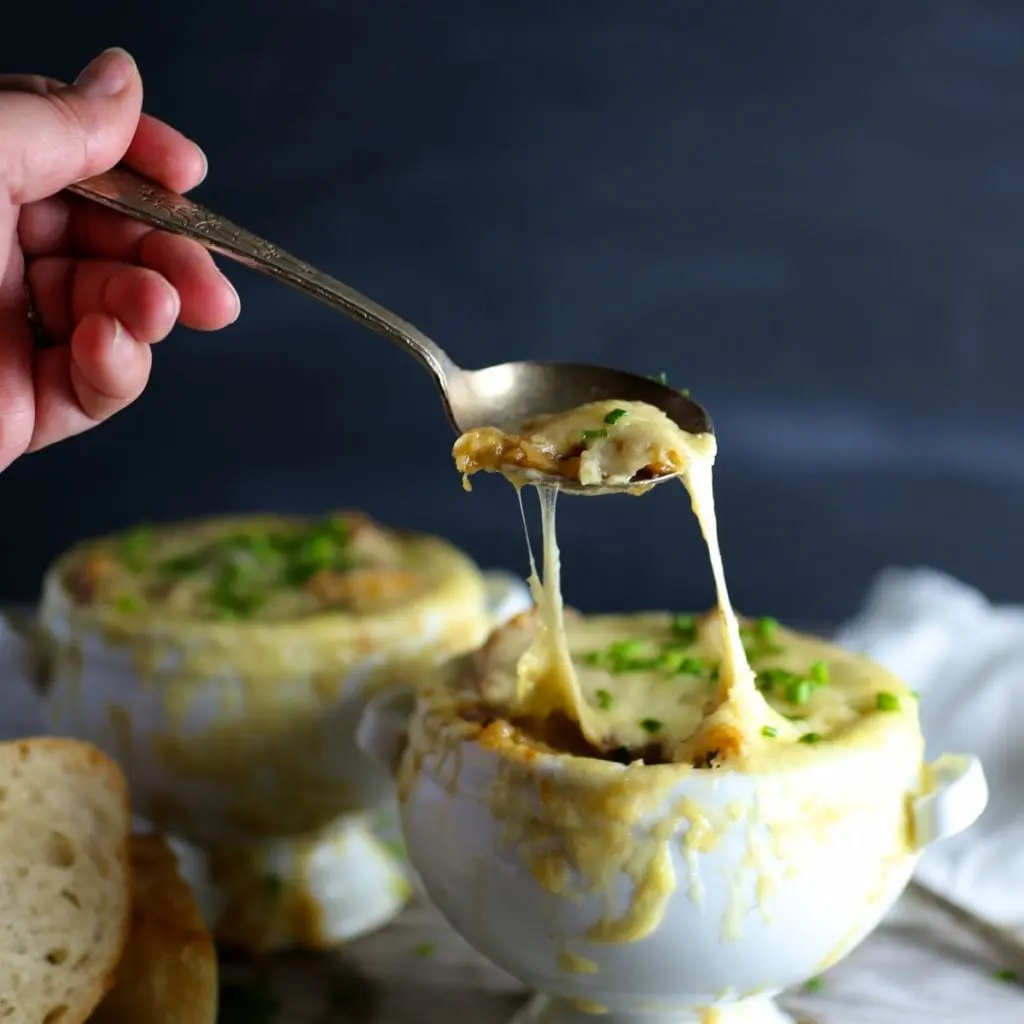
(137,197)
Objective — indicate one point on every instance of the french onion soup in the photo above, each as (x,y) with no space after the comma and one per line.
(705,691)
(648,680)
(601,443)
(263,569)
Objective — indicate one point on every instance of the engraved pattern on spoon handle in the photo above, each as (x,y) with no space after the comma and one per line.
(130,193)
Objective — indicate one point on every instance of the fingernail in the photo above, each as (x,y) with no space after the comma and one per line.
(206,165)
(108,75)
(176,302)
(121,342)
(238,298)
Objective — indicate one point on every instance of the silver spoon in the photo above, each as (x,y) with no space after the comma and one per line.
(503,396)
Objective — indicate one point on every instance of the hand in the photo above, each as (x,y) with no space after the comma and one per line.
(103,288)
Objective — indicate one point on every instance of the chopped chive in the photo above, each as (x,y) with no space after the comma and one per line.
(604,699)
(629,656)
(768,678)
(127,603)
(685,627)
(135,547)
(810,737)
(685,392)
(799,691)
(819,673)
(661,378)
(651,725)
(814,985)
(1006,975)
(887,702)
(690,667)
(770,731)
(915,695)
(614,416)
(425,949)
(181,565)
(759,637)
(594,435)
(625,649)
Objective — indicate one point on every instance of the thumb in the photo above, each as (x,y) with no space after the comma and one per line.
(59,134)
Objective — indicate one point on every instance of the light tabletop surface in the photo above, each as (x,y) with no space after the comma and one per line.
(916,969)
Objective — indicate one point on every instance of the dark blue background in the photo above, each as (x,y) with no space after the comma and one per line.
(810,214)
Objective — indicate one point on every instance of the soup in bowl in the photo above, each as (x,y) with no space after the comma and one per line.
(225,663)
(666,865)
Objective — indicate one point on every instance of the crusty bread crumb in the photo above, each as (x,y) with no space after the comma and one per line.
(169,971)
(64,879)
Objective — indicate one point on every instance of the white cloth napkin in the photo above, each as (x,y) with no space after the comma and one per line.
(965,656)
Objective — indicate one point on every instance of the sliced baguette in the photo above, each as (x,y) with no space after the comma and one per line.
(168,974)
(64,882)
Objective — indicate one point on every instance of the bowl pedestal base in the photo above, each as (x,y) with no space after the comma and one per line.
(310,892)
(544,1009)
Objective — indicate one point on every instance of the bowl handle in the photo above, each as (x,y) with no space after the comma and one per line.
(955,800)
(381,733)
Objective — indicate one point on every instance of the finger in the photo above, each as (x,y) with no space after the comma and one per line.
(103,370)
(157,150)
(44,228)
(142,301)
(162,153)
(49,283)
(181,282)
(49,139)
(208,299)
(17,398)
(109,368)
(66,226)
(67,291)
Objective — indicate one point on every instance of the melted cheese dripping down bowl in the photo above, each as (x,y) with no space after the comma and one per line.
(225,663)
(615,881)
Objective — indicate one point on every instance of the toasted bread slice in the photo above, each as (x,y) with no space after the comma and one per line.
(64,882)
(169,971)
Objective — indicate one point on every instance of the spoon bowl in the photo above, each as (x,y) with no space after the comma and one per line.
(503,396)
(510,394)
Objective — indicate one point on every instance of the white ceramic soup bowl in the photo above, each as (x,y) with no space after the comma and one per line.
(255,775)
(649,894)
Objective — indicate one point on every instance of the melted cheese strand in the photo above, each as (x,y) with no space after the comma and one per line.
(735,675)
(534,580)
(737,696)
(620,442)
(547,681)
